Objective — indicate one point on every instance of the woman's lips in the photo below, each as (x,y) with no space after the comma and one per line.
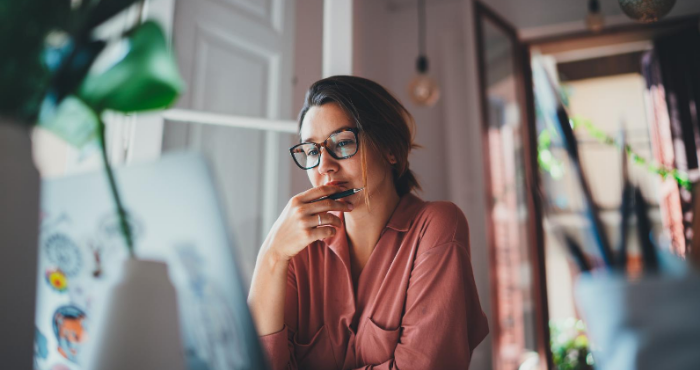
(337,183)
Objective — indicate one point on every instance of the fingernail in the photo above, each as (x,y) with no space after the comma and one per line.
(350,206)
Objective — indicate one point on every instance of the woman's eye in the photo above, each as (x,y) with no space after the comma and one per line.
(345,142)
(312,152)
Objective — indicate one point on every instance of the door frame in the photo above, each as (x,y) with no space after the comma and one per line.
(534,229)
(611,35)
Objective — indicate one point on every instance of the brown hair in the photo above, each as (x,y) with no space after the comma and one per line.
(383,123)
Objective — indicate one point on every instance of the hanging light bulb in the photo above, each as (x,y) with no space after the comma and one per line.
(422,89)
(647,11)
(594,20)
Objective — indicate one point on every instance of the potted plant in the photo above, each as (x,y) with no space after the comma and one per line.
(47,78)
(569,345)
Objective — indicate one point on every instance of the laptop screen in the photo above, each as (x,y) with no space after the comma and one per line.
(176,218)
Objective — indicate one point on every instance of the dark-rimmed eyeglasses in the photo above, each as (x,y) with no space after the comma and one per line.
(341,144)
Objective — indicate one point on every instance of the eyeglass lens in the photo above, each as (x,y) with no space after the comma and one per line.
(340,145)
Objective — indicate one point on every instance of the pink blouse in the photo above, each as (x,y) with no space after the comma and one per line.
(416,305)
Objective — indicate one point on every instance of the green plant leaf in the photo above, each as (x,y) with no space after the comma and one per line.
(146,78)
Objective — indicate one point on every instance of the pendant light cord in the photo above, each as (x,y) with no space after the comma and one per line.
(421,28)
(422,62)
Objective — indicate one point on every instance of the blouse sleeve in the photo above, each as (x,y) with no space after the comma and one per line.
(279,346)
(443,321)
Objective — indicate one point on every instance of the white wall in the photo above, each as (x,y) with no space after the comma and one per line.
(308,58)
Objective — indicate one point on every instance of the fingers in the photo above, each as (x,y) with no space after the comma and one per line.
(327,219)
(315,193)
(322,233)
(324,206)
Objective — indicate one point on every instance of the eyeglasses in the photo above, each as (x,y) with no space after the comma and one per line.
(340,145)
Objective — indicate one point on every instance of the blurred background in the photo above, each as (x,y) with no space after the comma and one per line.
(247,65)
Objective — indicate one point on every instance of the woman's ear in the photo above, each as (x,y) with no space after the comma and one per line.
(391,159)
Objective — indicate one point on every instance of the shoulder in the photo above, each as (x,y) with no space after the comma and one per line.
(441,223)
(441,209)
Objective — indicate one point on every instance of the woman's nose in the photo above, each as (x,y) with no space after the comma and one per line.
(327,163)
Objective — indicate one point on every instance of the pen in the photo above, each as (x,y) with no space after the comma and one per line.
(577,254)
(343,194)
(651,260)
(571,146)
(627,193)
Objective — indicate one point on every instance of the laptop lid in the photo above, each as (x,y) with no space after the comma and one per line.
(176,218)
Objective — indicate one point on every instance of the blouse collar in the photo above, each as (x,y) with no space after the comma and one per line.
(405,212)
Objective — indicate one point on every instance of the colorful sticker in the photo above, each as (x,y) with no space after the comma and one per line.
(57,280)
(70,328)
(64,253)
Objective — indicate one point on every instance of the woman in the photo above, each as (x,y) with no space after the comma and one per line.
(379,279)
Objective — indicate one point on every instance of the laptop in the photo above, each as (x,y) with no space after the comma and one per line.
(176,218)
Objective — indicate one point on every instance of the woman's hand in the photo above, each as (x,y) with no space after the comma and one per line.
(297,227)
(298,224)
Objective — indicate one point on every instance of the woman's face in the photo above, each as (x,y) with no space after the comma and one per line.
(319,123)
